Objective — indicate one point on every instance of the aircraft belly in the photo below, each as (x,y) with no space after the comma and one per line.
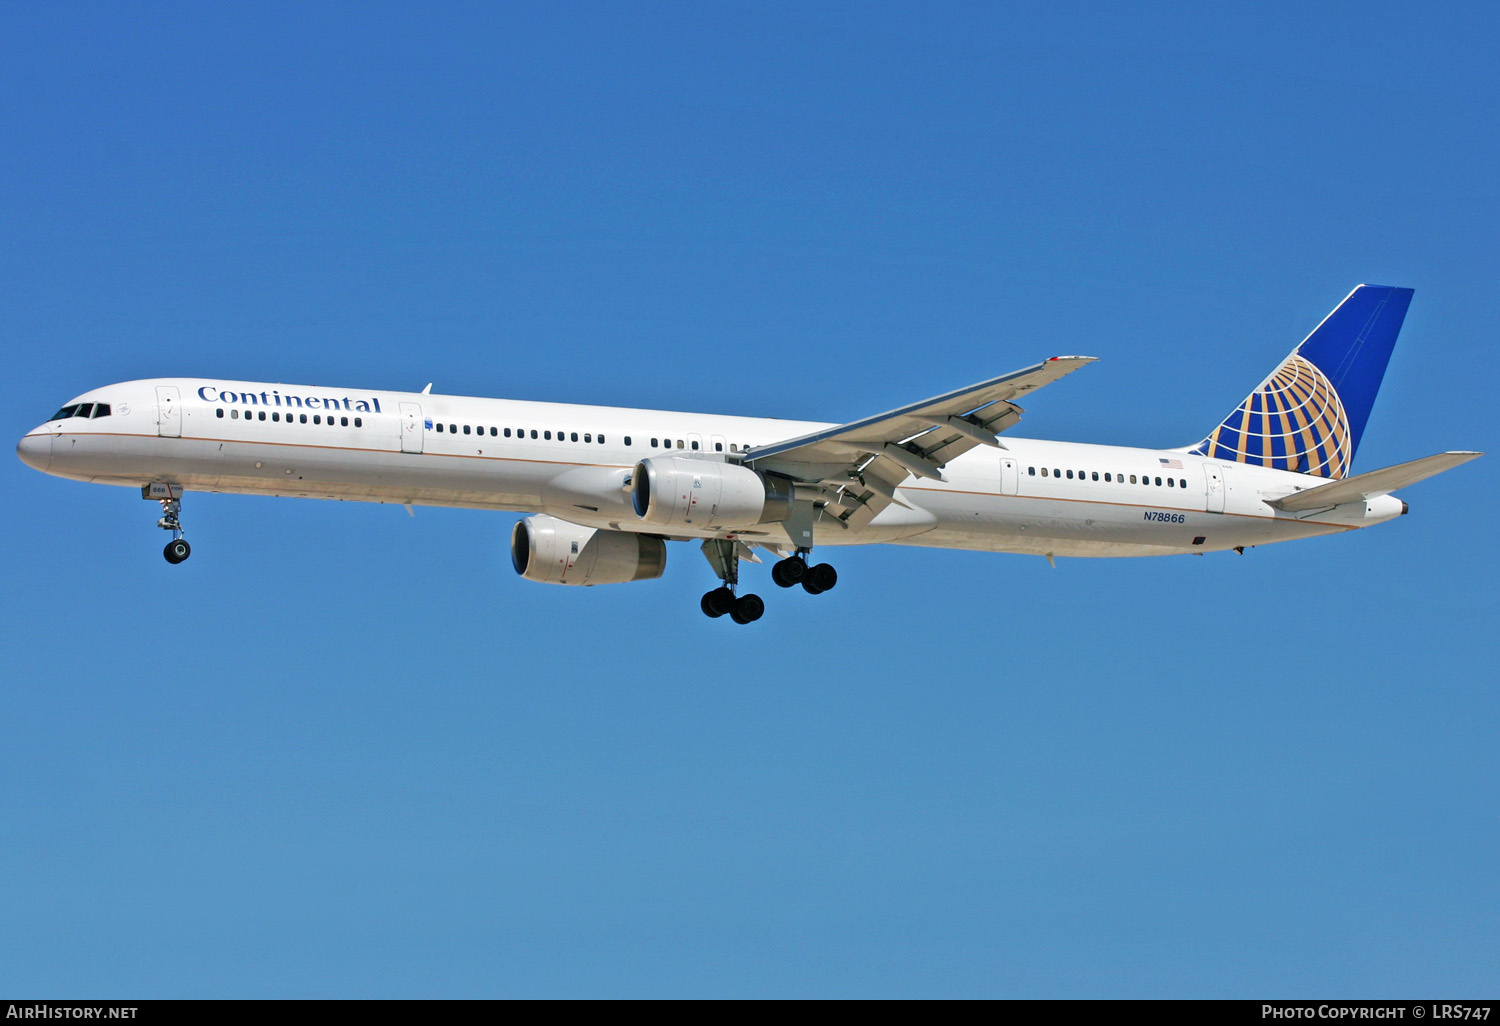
(1028,524)
(134,460)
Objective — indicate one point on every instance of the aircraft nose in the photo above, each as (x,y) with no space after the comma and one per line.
(35,450)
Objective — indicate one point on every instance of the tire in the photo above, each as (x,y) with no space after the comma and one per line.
(177,550)
(747,609)
(823,577)
(789,572)
(717,602)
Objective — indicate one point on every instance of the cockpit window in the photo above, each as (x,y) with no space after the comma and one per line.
(84,410)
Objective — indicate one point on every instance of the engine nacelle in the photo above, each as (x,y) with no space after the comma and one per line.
(672,491)
(552,551)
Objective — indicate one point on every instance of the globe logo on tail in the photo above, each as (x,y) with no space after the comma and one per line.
(1295,421)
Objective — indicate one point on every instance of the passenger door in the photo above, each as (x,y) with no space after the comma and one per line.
(168,412)
(1214,480)
(1010,477)
(411,427)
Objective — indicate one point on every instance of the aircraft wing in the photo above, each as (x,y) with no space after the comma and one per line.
(859,465)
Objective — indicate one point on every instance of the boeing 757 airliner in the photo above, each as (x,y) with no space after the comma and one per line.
(606,488)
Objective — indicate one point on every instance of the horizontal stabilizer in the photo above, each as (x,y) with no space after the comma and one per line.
(1376,482)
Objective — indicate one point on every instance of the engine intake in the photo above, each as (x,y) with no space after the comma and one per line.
(671,491)
(552,551)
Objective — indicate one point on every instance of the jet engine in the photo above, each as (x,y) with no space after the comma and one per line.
(671,491)
(552,551)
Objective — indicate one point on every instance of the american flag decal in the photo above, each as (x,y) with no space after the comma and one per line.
(1172,464)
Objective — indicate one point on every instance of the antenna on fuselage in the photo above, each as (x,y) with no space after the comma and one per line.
(427,389)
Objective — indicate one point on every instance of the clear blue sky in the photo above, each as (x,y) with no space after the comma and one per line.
(344,752)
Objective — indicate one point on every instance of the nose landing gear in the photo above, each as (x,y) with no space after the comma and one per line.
(170,497)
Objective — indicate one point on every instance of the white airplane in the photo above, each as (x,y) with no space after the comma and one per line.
(608,487)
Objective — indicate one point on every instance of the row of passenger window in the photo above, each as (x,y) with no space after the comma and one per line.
(88,411)
(1145,479)
(543,435)
(692,443)
(494,432)
(300,418)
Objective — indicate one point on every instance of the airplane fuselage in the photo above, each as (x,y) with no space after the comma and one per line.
(574,462)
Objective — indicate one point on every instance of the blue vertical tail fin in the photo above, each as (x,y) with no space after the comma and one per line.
(1309,414)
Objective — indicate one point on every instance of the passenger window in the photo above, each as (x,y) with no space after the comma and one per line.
(533,432)
(733,447)
(507,432)
(343,422)
(439,429)
(1044,471)
(627,440)
(275,416)
(1182,483)
(1158,482)
(302,417)
(219,413)
(317,418)
(234,414)
(1171,483)
(601,439)
(1096,475)
(1070,475)
(589,437)
(680,444)
(466,429)
(718,447)
(263,416)
(1106,477)
(358,422)
(1132,479)
(653,443)
(573,437)
(453,429)
(695,446)
(1031,471)
(1056,472)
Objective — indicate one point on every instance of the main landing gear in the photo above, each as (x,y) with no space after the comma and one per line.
(170,497)
(724,557)
(792,571)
